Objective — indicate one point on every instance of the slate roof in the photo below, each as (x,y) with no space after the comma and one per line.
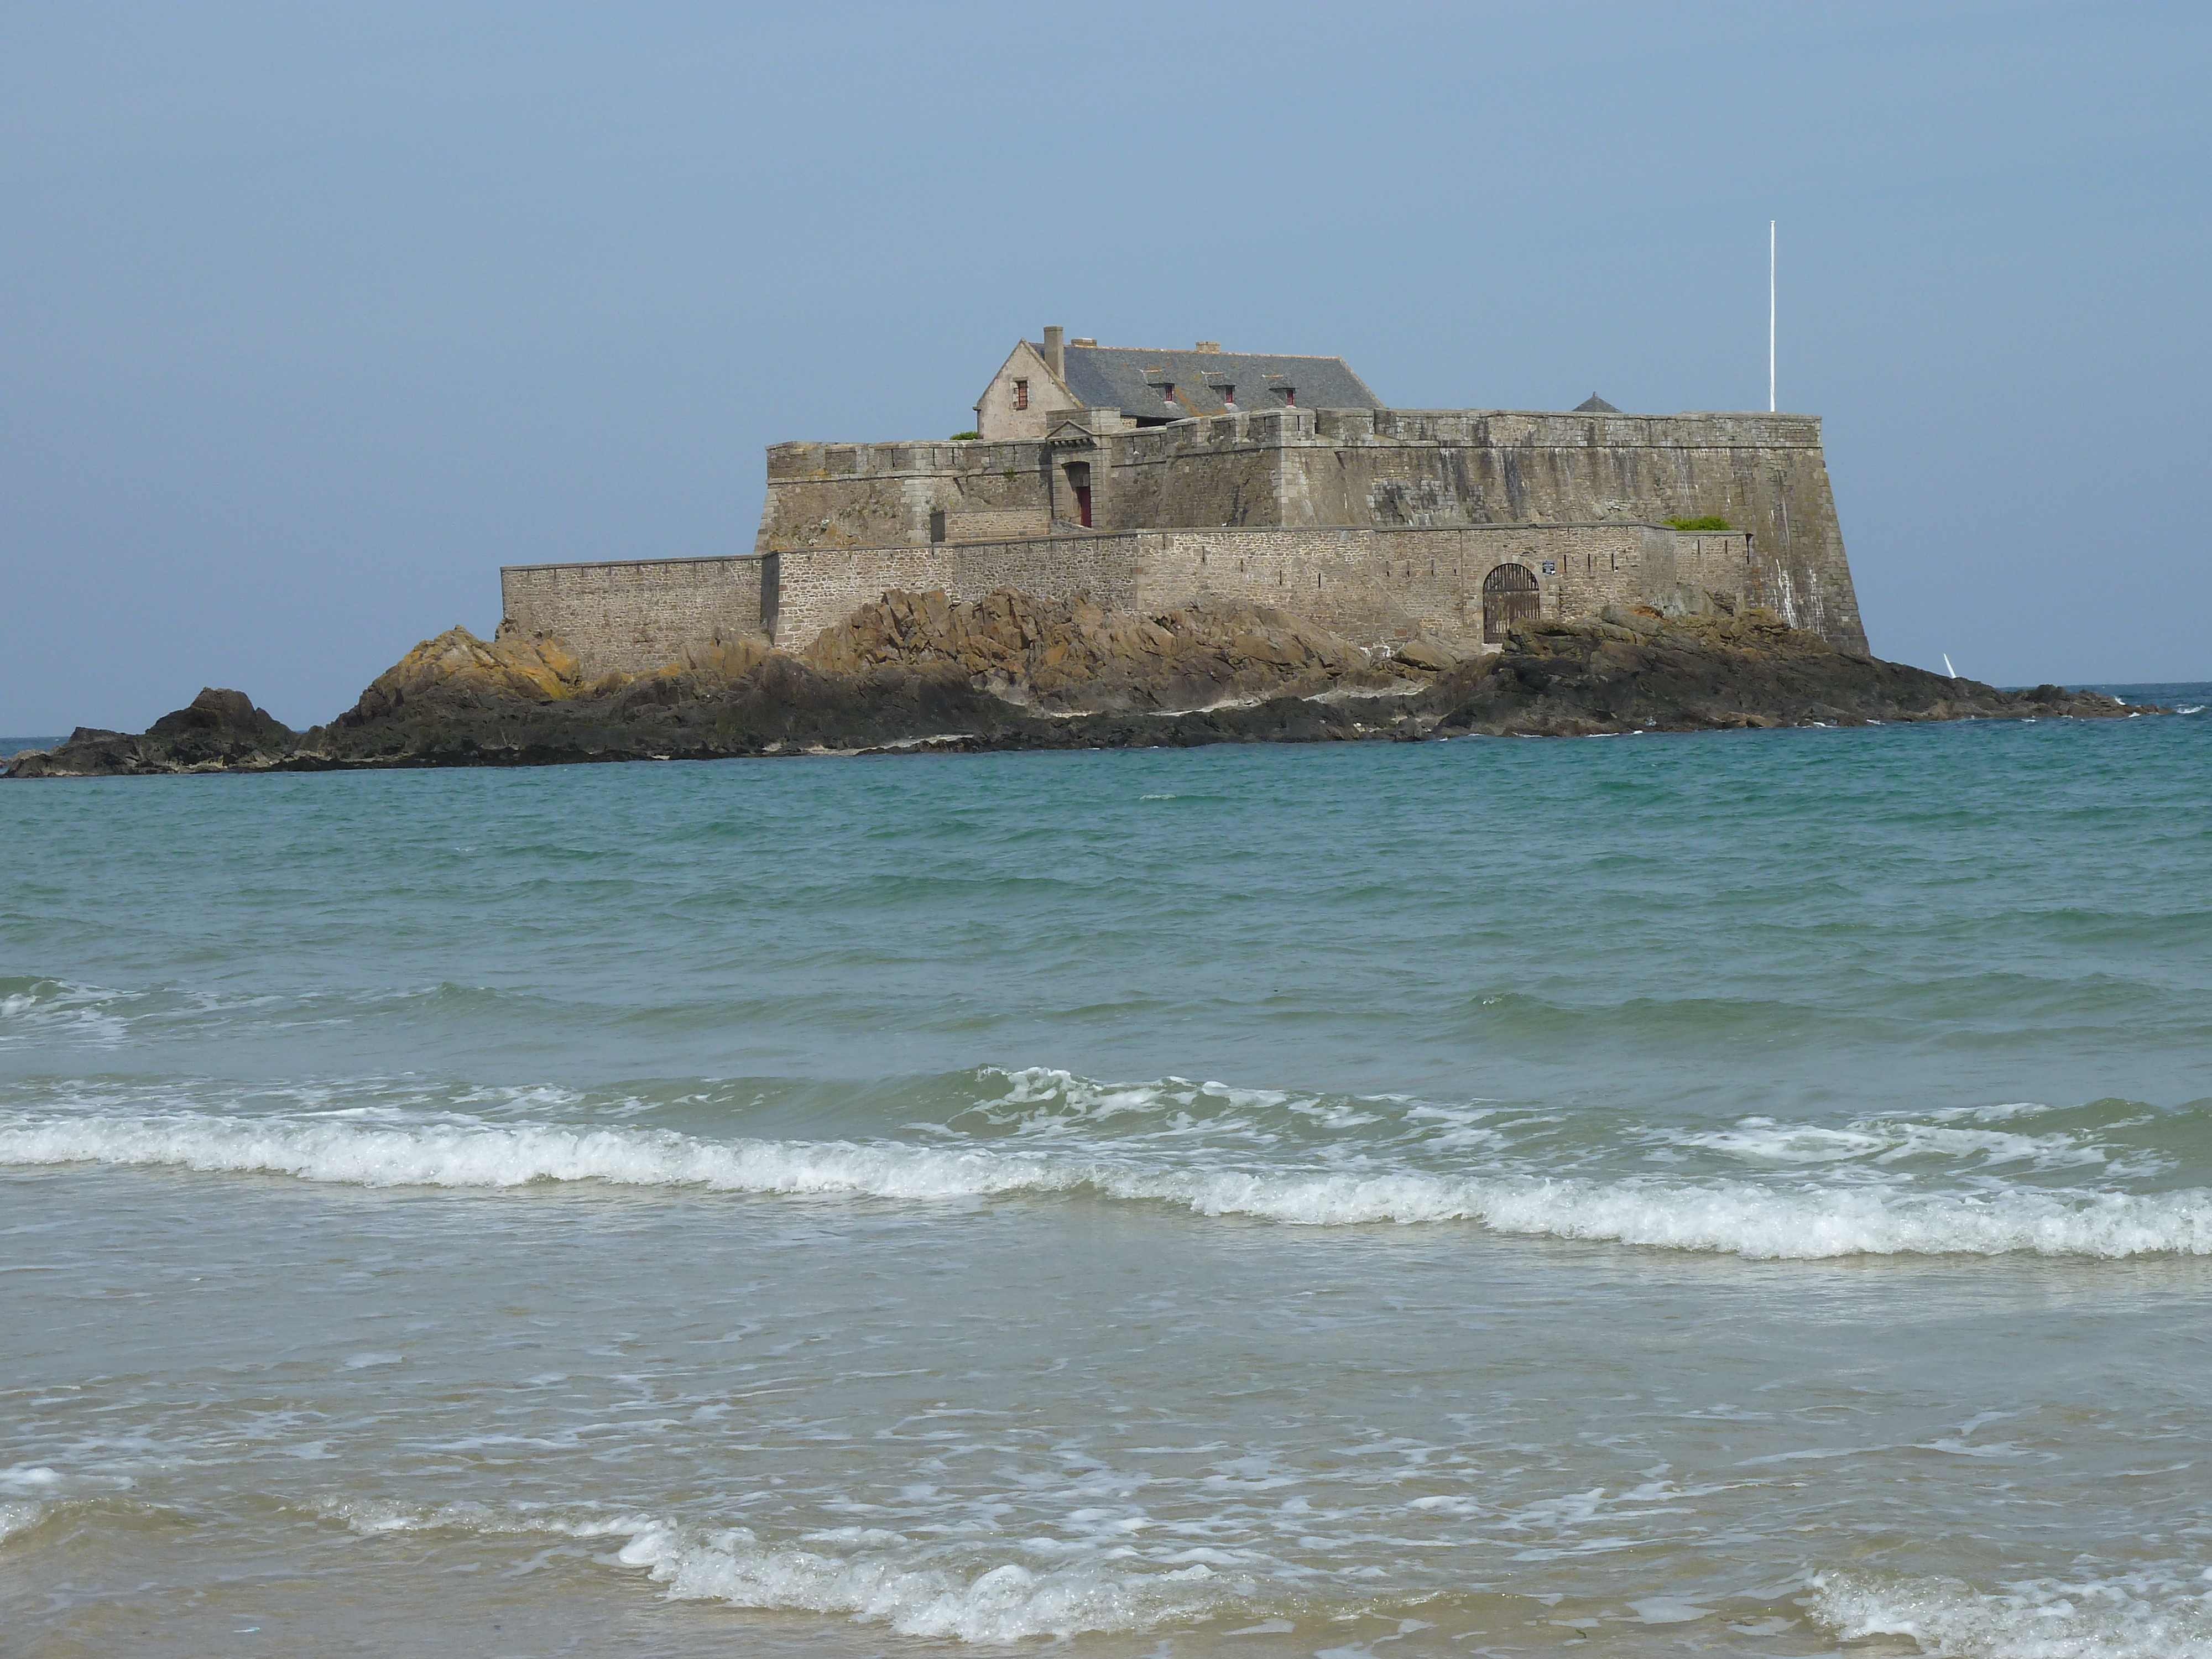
(1596,405)
(1130,378)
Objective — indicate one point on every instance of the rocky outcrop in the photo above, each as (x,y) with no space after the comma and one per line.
(456,670)
(1010,672)
(1076,655)
(1636,669)
(781,705)
(218,731)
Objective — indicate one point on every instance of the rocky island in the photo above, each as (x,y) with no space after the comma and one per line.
(1012,671)
(1127,551)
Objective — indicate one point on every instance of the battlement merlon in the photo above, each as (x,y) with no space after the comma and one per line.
(1542,429)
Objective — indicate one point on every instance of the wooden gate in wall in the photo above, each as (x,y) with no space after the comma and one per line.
(1509,596)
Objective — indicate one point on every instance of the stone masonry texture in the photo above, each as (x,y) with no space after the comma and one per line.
(1378,587)
(634,614)
(1353,468)
(1378,524)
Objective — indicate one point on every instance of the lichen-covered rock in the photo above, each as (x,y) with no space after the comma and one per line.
(724,659)
(456,670)
(1077,655)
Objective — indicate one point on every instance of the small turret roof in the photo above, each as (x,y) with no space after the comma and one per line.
(1596,405)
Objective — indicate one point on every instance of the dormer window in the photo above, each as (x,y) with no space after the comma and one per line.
(1228,394)
(1290,395)
(1167,391)
(1021,394)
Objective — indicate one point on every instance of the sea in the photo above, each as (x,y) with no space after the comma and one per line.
(1736,1194)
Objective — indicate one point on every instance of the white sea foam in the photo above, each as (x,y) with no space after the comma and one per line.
(877,1577)
(1892,1139)
(19,1513)
(2145,1615)
(1666,1610)
(458,1154)
(46,1008)
(1797,1219)
(16,1519)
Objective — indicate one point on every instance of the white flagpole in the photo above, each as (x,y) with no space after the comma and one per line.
(1770,316)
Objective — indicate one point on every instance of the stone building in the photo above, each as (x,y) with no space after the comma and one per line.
(1299,490)
(1150,387)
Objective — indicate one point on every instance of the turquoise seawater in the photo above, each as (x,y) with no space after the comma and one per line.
(1739,1193)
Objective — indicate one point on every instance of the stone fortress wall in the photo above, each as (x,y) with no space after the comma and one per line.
(1376,586)
(1378,524)
(635,615)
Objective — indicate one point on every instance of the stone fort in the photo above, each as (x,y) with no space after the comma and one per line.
(1154,479)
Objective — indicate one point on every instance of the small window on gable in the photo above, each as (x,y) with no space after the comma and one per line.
(1021,394)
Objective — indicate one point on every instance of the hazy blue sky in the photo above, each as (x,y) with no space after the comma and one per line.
(313,316)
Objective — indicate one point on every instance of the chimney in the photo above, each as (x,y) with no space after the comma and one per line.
(1055,358)
(1209,345)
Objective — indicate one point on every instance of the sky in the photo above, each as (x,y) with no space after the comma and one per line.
(312,317)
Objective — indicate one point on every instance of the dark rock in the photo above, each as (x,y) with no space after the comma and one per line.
(1011,671)
(219,730)
(1638,670)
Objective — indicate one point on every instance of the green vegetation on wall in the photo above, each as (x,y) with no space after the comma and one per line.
(1712,522)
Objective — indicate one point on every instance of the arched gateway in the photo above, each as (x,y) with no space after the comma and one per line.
(1509,596)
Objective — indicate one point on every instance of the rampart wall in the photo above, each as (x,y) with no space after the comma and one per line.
(1353,469)
(818,588)
(1383,586)
(634,614)
(882,495)
(1763,473)
(1376,586)
(998,523)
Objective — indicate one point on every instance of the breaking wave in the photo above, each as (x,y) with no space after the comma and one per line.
(869,1574)
(34,1008)
(16,1519)
(1806,1192)
(2143,1615)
